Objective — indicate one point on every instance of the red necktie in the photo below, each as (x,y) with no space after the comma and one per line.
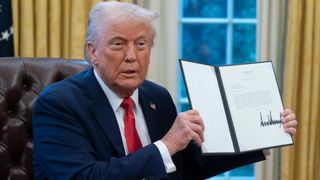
(130,132)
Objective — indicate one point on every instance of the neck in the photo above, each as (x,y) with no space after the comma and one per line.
(122,94)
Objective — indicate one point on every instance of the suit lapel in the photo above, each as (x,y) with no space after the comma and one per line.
(103,111)
(149,108)
(105,116)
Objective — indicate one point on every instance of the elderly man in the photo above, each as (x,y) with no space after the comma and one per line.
(110,123)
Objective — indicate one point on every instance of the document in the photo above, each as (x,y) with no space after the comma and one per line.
(239,104)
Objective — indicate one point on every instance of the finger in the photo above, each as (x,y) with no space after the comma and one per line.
(196,138)
(290,124)
(286,112)
(188,114)
(291,130)
(197,120)
(192,112)
(197,129)
(192,116)
(289,117)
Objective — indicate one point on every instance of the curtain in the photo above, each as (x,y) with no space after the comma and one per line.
(51,28)
(272,29)
(302,90)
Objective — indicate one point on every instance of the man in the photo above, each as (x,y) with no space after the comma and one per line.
(81,124)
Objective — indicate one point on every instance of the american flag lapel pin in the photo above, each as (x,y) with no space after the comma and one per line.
(153,106)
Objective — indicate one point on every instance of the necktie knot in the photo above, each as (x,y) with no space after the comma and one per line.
(127,103)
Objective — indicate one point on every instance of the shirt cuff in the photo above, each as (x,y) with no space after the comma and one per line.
(166,158)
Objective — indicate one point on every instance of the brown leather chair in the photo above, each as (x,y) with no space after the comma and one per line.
(21,81)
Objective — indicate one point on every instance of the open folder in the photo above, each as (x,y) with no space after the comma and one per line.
(239,104)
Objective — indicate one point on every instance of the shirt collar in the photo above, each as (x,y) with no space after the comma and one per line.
(114,99)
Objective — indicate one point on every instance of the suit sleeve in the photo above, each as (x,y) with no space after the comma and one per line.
(197,166)
(62,149)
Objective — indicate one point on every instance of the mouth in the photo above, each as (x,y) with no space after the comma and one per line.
(129,73)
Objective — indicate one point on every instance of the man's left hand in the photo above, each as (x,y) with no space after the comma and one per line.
(289,121)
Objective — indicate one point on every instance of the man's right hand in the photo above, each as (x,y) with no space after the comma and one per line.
(187,126)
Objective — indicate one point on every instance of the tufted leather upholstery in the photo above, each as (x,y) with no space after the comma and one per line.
(21,80)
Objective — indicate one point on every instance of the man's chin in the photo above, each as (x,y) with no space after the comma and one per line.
(127,89)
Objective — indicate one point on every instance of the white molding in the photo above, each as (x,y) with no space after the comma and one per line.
(217,21)
(271,16)
(229,44)
(270,26)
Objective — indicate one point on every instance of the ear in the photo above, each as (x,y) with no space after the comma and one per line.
(92,53)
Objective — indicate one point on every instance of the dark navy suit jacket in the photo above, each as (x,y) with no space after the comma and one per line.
(76,136)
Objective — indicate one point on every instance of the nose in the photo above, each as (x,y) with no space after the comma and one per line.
(130,54)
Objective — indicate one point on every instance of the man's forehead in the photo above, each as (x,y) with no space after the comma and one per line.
(130,22)
(131,29)
(115,34)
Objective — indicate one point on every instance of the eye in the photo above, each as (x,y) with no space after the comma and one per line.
(141,44)
(116,45)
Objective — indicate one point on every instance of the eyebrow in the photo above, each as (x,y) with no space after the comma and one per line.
(119,37)
(116,38)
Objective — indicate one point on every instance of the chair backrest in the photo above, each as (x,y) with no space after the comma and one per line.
(21,81)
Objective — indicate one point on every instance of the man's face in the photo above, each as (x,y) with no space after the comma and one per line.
(122,56)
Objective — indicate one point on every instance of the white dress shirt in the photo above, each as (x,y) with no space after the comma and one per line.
(141,126)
